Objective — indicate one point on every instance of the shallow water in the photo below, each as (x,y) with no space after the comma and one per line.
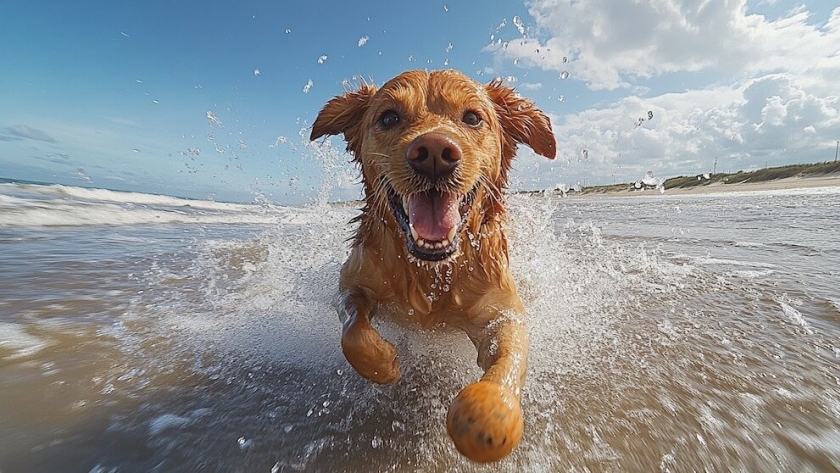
(668,333)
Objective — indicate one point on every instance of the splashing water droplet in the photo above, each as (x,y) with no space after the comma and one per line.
(446,62)
(561,98)
(363,40)
(585,153)
(650,114)
(520,26)
(256,72)
(515,62)
(322,59)
(565,59)
(445,7)
(449,47)
(288,30)
(308,86)
(564,75)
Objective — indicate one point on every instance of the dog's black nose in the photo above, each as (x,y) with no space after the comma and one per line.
(433,155)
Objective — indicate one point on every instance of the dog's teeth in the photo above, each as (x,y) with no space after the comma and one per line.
(414,233)
(405,202)
(451,235)
(421,242)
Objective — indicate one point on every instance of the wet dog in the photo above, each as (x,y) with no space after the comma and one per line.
(435,149)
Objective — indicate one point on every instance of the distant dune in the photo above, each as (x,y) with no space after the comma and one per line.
(782,177)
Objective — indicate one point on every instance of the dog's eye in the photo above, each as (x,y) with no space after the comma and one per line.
(471,118)
(389,119)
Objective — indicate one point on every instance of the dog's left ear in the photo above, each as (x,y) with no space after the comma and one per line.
(522,122)
(343,114)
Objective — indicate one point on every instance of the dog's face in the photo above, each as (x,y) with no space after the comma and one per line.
(428,143)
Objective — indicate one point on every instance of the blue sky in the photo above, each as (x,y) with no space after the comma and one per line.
(211,99)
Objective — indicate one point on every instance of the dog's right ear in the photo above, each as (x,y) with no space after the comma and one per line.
(343,114)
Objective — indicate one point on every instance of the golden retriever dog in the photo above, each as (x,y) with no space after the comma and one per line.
(435,149)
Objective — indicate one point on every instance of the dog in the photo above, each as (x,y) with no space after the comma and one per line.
(435,149)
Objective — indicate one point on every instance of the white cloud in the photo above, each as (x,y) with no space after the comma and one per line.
(773,119)
(612,43)
(763,91)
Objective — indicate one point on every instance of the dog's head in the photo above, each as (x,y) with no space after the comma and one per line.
(428,143)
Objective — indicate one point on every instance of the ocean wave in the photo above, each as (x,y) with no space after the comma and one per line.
(32,205)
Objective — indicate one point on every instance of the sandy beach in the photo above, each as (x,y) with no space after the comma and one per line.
(717,187)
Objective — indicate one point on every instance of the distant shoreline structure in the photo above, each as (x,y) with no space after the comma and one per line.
(779,177)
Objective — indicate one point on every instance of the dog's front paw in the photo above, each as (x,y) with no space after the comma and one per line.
(485,421)
(375,360)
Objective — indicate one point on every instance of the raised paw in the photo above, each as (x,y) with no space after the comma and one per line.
(375,360)
(485,421)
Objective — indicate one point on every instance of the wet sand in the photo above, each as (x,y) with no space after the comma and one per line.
(718,187)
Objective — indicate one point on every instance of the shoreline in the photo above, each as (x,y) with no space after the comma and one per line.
(721,188)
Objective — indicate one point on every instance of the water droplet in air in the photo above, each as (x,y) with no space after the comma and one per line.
(449,47)
(376,442)
(256,72)
(339,372)
(515,62)
(363,40)
(410,311)
(517,21)
(288,30)
(564,75)
(322,59)
(561,98)
(445,7)
(244,443)
(650,114)
(446,62)
(307,87)
(565,59)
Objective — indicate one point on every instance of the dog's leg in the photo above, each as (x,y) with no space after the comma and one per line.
(369,354)
(485,419)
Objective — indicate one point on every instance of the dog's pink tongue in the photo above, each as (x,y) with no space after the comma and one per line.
(434,214)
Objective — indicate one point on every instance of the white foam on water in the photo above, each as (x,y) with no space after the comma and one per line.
(794,316)
(55,205)
(21,343)
(167,421)
(88,194)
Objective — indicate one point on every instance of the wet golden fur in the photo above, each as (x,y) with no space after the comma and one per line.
(472,290)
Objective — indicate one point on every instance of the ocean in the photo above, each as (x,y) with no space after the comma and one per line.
(668,333)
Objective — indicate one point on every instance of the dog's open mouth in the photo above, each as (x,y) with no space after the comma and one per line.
(431,221)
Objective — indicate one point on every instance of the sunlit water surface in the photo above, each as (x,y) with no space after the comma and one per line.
(139,333)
